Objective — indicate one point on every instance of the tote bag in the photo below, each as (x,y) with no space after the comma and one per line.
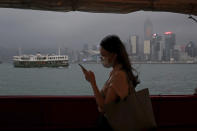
(134,113)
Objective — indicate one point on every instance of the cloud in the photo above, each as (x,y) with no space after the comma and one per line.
(47,29)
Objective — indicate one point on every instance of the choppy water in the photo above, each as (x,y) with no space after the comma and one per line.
(159,78)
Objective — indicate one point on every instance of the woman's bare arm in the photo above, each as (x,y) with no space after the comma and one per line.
(99,98)
(118,87)
(90,77)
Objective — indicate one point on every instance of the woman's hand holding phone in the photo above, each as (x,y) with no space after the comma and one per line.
(89,75)
(83,69)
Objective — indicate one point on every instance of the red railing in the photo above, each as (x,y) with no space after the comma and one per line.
(175,112)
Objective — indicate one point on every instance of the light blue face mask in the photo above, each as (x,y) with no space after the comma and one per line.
(106,62)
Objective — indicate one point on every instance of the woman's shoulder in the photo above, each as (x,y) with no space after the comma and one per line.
(120,84)
(119,74)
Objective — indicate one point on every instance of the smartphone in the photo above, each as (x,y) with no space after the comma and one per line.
(83,69)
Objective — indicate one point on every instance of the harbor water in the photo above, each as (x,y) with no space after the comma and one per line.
(161,79)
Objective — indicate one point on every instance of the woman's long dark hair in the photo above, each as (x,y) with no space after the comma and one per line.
(113,44)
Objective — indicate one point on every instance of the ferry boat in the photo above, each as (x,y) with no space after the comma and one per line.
(52,113)
(39,60)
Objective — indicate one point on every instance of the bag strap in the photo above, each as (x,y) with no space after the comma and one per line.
(131,89)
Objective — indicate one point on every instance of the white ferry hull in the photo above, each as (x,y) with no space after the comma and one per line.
(31,64)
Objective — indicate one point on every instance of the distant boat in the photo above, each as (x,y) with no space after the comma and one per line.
(0,62)
(38,60)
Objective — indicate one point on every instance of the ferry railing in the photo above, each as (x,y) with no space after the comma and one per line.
(172,112)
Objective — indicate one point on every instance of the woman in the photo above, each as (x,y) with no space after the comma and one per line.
(113,54)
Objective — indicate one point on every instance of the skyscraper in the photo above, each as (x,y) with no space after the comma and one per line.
(156,50)
(148,30)
(147,49)
(191,49)
(134,41)
(170,41)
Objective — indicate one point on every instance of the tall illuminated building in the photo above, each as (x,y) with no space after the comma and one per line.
(147,49)
(156,47)
(134,41)
(134,47)
(148,29)
(170,41)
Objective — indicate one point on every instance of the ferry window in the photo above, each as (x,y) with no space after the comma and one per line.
(162,47)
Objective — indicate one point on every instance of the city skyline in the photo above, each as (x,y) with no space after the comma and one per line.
(46,31)
(29,28)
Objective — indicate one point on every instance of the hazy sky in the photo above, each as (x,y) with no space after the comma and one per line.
(46,29)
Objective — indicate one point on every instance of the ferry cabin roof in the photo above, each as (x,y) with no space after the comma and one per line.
(172,113)
(105,6)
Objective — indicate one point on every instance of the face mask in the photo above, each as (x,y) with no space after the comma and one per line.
(106,63)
